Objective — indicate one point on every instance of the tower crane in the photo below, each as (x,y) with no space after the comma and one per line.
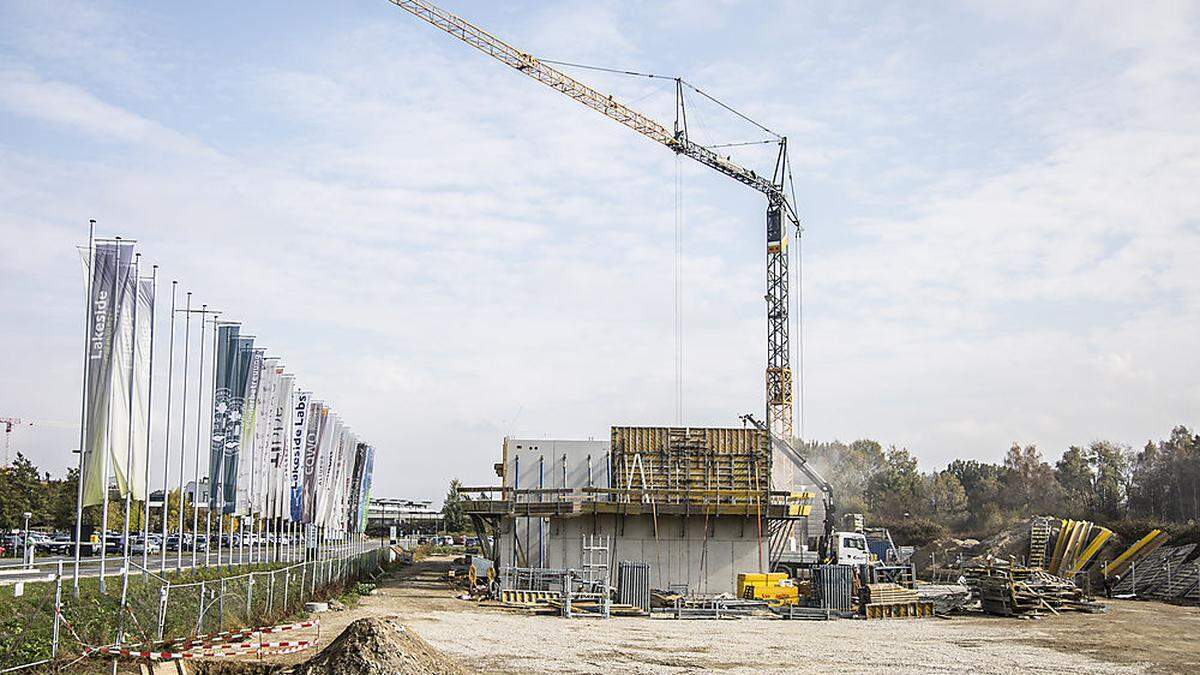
(781,211)
(9,423)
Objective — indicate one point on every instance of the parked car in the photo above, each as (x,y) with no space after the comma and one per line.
(61,544)
(148,545)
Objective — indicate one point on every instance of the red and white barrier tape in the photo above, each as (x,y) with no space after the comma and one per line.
(226,636)
(279,647)
(226,643)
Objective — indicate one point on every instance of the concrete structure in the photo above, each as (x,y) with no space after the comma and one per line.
(695,504)
(681,554)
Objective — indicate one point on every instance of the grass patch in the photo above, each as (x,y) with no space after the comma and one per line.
(197,601)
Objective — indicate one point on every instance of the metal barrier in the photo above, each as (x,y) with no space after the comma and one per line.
(834,586)
(43,620)
(633,584)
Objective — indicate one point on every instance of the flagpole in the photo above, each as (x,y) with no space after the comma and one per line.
(104,482)
(162,567)
(219,481)
(252,493)
(133,349)
(187,332)
(89,315)
(199,416)
(149,417)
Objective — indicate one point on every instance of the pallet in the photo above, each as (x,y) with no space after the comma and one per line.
(899,610)
(521,598)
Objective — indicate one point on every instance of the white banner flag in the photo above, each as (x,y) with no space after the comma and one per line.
(130,378)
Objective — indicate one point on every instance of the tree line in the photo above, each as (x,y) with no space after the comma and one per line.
(51,504)
(1103,481)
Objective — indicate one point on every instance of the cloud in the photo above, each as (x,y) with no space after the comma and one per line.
(58,103)
(433,242)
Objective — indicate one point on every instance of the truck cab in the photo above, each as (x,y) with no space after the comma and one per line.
(851,549)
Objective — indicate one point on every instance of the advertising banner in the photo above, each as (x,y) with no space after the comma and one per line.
(109,261)
(301,420)
(319,418)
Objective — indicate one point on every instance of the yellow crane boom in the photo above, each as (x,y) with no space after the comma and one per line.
(779,207)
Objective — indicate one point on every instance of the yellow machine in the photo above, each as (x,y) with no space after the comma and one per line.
(776,588)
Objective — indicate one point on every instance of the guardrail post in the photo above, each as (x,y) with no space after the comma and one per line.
(271,592)
(164,592)
(250,597)
(57,611)
(221,606)
(200,610)
(287,581)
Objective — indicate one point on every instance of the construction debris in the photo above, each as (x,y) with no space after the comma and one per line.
(379,647)
(1013,590)
(946,598)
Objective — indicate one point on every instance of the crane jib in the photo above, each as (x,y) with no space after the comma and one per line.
(779,384)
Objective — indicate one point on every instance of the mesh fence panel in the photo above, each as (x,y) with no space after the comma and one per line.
(182,605)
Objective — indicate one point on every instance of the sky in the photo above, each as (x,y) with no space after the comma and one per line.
(1000,208)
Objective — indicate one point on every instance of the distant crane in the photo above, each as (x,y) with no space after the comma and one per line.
(780,207)
(9,423)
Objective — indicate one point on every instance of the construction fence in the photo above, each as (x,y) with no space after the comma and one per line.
(45,622)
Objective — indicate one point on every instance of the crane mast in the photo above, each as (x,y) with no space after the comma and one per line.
(780,211)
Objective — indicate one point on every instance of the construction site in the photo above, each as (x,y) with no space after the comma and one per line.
(682,549)
(671,548)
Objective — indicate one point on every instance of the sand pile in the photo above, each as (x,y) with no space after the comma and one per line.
(379,647)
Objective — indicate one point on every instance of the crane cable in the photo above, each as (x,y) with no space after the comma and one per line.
(678,282)
(798,315)
(689,85)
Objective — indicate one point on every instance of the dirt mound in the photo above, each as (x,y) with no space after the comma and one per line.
(943,553)
(1011,542)
(379,647)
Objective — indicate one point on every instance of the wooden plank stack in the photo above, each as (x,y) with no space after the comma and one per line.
(887,593)
(1006,589)
(892,601)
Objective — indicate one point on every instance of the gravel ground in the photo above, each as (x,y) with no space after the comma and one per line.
(1132,637)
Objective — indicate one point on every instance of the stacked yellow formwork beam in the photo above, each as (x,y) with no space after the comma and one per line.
(1140,549)
(1098,542)
(1076,545)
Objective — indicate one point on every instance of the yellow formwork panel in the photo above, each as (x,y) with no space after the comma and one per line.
(1064,529)
(1152,540)
(1092,549)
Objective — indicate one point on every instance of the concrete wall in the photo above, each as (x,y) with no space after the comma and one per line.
(547,463)
(681,554)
